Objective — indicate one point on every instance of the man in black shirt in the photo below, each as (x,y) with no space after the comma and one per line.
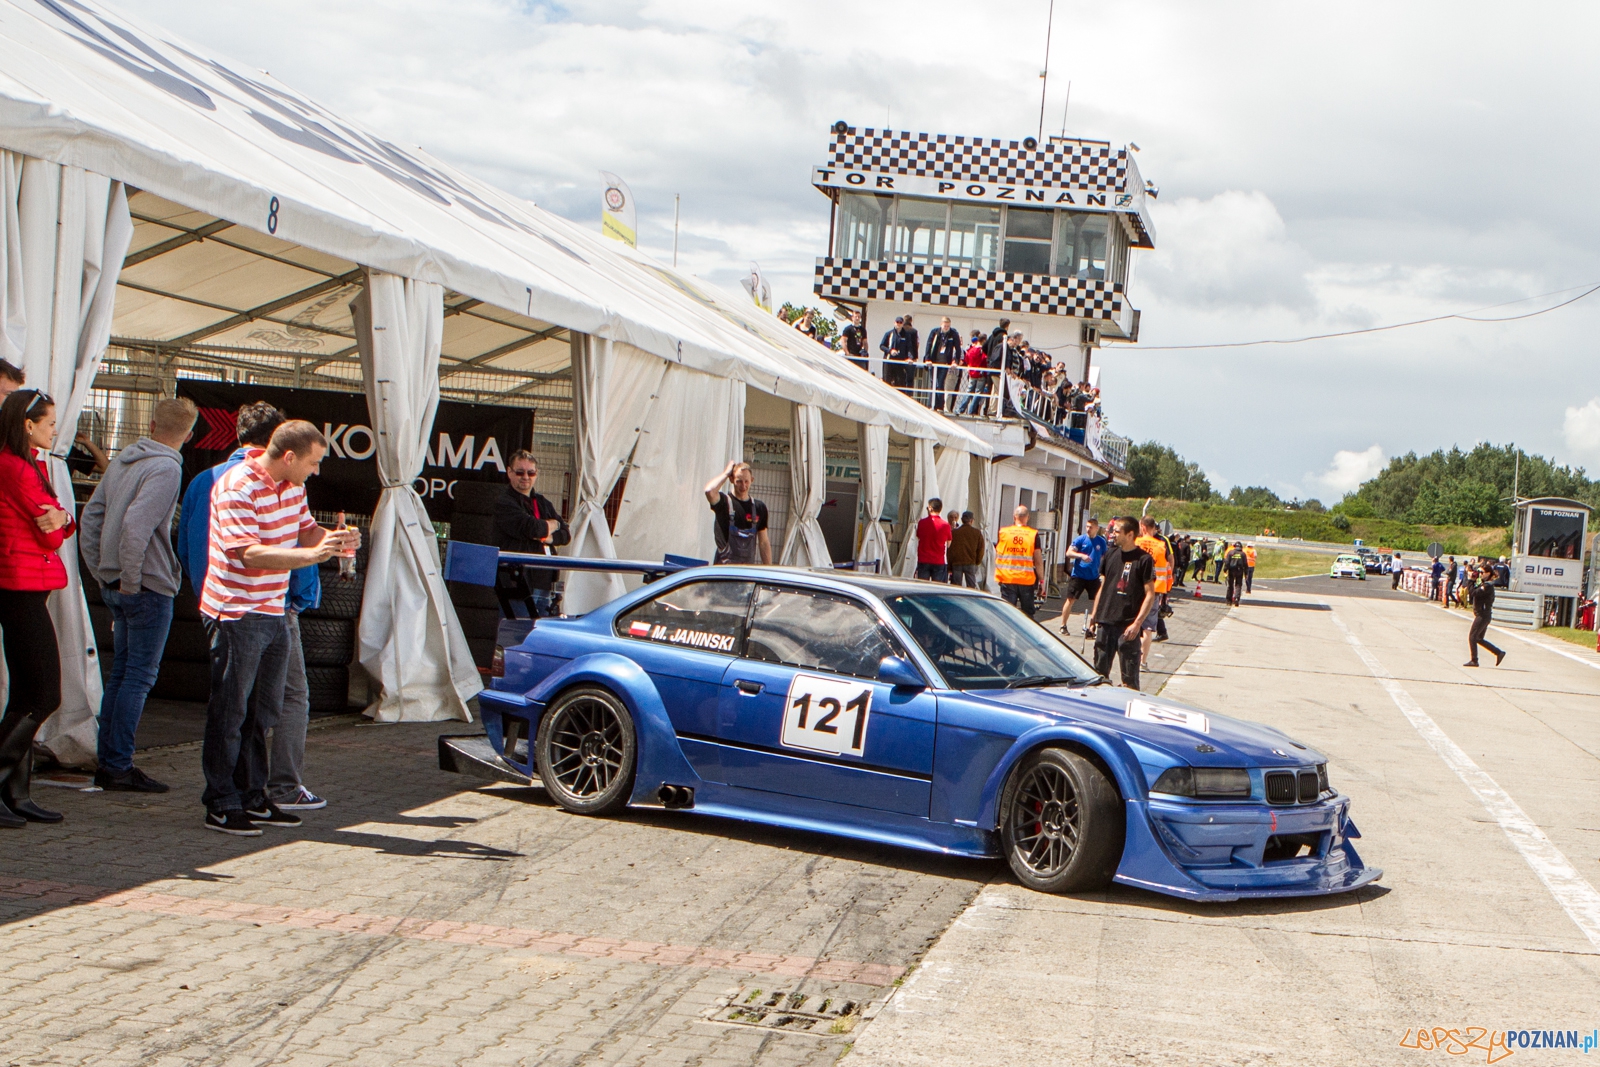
(1127,592)
(741,519)
(899,348)
(1480,585)
(855,341)
(944,349)
(524,521)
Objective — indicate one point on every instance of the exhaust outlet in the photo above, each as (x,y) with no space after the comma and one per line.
(676,796)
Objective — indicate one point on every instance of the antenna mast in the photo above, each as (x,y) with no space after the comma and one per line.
(1044,75)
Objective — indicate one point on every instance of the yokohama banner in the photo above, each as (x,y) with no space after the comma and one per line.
(469,442)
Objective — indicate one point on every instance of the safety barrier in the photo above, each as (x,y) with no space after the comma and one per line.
(1519,611)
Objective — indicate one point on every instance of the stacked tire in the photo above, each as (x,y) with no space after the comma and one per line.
(328,635)
(476,606)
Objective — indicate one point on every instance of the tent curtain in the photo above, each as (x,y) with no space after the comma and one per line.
(66,232)
(683,442)
(804,544)
(613,389)
(924,485)
(987,478)
(954,466)
(410,640)
(872,443)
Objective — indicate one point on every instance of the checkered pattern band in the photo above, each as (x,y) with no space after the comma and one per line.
(963,287)
(1074,164)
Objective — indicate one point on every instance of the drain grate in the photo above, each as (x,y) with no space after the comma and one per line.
(789,1011)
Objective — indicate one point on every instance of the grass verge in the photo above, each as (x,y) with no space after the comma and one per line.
(1568,633)
(1289,563)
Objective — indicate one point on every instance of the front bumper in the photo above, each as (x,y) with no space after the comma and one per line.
(1232,851)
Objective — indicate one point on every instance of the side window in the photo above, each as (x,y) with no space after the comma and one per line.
(705,615)
(817,632)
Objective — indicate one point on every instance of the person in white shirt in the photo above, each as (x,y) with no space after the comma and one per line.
(1397,567)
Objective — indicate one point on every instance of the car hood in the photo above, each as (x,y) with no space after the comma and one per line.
(1179,729)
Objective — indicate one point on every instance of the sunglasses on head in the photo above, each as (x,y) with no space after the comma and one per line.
(40,399)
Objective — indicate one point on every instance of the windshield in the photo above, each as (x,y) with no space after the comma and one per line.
(981,643)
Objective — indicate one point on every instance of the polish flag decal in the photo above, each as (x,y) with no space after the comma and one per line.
(639,629)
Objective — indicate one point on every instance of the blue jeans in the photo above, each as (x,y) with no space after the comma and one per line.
(139,625)
(249,659)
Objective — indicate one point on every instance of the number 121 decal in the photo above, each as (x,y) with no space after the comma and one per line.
(827,715)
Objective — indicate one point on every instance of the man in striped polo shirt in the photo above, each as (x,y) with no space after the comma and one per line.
(260,530)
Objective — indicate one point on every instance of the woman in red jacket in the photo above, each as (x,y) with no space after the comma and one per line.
(33,524)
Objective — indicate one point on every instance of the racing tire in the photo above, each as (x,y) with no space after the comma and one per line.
(586,751)
(1062,823)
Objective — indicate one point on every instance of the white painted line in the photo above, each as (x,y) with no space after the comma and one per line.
(1573,656)
(1576,896)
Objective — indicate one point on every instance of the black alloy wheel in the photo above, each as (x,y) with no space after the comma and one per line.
(586,750)
(1061,823)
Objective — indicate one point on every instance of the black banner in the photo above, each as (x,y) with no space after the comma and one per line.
(469,442)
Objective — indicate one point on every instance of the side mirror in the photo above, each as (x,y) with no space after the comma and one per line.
(900,674)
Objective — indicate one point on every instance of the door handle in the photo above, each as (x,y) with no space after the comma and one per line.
(751,688)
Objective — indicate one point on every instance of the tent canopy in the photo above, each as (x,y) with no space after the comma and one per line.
(255,207)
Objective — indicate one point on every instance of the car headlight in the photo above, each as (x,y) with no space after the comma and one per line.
(1223,783)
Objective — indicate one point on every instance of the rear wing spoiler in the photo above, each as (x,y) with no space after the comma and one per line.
(478,564)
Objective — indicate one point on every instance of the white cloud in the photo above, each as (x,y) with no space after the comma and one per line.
(1349,469)
(1581,431)
(1232,250)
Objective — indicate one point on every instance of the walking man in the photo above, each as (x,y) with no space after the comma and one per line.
(1249,566)
(1481,587)
(1452,575)
(1084,555)
(524,521)
(944,350)
(1397,568)
(1234,560)
(1202,556)
(1218,561)
(933,536)
(261,530)
(966,554)
(126,541)
(1019,562)
(1126,597)
(740,519)
(255,423)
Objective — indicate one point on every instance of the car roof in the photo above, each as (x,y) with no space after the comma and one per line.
(880,585)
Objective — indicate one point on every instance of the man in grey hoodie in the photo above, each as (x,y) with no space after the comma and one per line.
(125,536)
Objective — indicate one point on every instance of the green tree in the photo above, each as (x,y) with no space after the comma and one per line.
(1449,482)
(1255,496)
(827,328)
(1155,469)
(1466,502)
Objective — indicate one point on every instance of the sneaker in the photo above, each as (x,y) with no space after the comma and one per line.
(231,822)
(1498,656)
(304,800)
(133,780)
(272,815)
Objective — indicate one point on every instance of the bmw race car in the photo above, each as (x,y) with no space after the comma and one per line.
(1348,565)
(908,713)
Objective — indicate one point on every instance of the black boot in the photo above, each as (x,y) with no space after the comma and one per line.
(16,773)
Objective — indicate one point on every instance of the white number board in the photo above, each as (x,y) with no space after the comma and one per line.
(827,715)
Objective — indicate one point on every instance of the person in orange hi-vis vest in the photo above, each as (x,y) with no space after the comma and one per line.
(1151,541)
(1019,562)
(1249,565)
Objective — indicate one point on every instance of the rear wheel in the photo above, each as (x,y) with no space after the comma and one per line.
(586,750)
(1062,823)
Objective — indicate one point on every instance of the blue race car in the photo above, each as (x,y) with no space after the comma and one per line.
(908,713)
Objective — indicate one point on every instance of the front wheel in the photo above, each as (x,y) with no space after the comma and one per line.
(1062,823)
(585,751)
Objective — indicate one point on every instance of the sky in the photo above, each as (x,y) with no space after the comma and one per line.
(1322,168)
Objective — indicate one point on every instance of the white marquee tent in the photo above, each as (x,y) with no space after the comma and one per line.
(171,203)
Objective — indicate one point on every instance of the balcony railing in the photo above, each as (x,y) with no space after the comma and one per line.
(953,389)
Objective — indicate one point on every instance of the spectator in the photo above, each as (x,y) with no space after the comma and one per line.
(899,348)
(524,521)
(855,340)
(974,384)
(1083,573)
(1185,547)
(12,378)
(1435,572)
(741,519)
(933,537)
(86,457)
(1397,568)
(966,554)
(254,424)
(126,542)
(1127,593)
(1019,563)
(1502,571)
(944,349)
(1218,560)
(1234,560)
(806,325)
(1154,627)
(1452,575)
(260,530)
(1249,567)
(33,526)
